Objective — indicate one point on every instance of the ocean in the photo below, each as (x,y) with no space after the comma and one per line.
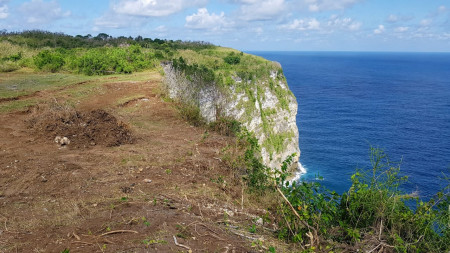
(350,101)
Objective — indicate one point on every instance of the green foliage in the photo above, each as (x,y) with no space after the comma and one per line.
(99,55)
(257,174)
(42,39)
(49,60)
(226,126)
(376,201)
(199,73)
(8,66)
(232,59)
(252,229)
(374,209)
(191,113)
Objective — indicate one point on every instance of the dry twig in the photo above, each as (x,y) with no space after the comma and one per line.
(181,245)
(119,231)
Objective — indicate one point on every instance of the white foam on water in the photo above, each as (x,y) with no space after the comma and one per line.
(300,171)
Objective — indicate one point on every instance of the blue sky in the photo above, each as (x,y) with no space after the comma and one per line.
(295,25)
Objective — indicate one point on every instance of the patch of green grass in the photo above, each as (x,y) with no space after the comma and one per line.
(25,82)
(149,241)
(17,105)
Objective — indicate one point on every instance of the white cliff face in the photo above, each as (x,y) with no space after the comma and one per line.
(266,107)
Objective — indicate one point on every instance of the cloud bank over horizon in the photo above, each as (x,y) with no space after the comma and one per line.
(334,25)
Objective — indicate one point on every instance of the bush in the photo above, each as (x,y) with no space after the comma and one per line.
(373,213)
(232,59)
(226,126)
(191,113)
(8,66)
(49,60)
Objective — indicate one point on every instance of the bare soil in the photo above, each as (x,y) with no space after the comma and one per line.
(134,176)
(84,129)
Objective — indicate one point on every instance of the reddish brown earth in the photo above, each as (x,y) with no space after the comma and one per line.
(95,194)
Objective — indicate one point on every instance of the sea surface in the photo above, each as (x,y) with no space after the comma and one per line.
(350,101)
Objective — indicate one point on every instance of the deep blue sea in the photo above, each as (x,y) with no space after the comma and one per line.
(349,101)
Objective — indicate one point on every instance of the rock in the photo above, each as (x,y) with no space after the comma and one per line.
(64,141)
(229,212)
(259,221)
(265,107)
(147,180)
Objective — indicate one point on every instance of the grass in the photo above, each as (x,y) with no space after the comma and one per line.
(26,82)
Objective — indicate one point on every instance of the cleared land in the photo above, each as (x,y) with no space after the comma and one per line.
(134,175)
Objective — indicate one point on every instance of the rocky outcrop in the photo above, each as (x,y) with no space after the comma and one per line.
(265,106)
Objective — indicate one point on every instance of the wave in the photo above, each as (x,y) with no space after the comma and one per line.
(301,170)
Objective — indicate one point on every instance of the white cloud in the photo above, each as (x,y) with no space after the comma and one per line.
(392,18)
(206,21)
(442,9)
(42,12)
(153,8)
(302,24)
(401,29)
(252,10)
(379,30)
(116,21)
(426,22)
(161,28)
(4,11)
(325,5)
(334,22)
(259,30)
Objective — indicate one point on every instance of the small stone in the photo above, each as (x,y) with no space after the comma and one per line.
(43,179)
(57,139)
(64,141)
(147,180)
(94,205)
(229,212)
(259,221)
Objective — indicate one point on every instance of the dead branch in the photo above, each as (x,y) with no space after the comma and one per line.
(119,231)
(88,243)
(181,245)
(298,216)
(245,236)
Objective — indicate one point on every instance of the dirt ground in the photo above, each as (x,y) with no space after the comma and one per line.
(134,177)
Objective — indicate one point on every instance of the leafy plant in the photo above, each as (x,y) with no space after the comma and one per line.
(232,59)
(49,60)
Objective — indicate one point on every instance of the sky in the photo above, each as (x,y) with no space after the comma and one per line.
(274,25)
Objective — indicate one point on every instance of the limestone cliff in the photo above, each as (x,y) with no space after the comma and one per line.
(264,105)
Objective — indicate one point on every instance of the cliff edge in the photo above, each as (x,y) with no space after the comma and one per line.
(248,88)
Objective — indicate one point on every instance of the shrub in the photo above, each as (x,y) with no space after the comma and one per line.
(232,59)
(191,113)
(8,66)
(49,60)
(373,213)
(226,126)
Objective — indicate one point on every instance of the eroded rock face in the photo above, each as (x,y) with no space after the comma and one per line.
(264,106)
